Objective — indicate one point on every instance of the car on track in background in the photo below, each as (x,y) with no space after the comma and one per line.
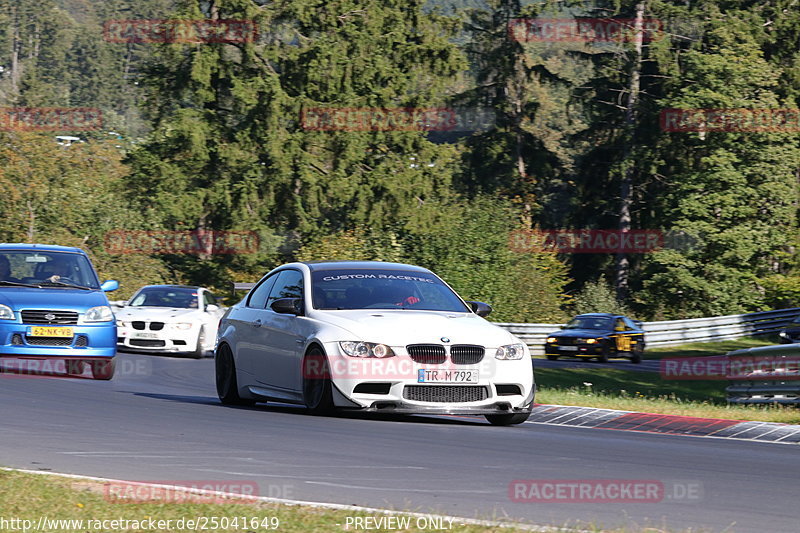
(370,336)
(599,336)
(174,319)
(53,307)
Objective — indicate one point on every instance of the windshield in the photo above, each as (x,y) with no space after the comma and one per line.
(589,323)
(47,269)
(165,297)
(383,289)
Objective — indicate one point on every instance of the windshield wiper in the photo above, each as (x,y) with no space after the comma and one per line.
(68,285)
(18,284)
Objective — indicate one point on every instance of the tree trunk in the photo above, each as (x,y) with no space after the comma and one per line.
(629,166)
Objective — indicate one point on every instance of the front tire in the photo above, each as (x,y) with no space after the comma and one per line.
(636,354)
(317,387)
(103,369)
(225,370)
(552,357)
(74,367)
(508,420)
(199,350)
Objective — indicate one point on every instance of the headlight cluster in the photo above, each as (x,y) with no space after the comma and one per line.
(551,340)
(587,341)
(365,349)
(6,313)
(510,351)
(182,325)
(782,333)
(101,313)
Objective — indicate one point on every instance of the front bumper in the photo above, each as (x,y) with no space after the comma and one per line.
(167,340)
(502,387)
(583,350)
(87,341)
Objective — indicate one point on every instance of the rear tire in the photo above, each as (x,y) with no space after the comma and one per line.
(227,386)
(103,369)
(636,354)
(317,387)
(507,420)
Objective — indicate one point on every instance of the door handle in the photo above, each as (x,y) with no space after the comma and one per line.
(256,323)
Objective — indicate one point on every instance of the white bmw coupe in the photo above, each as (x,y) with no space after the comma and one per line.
(373,336)
(177,319)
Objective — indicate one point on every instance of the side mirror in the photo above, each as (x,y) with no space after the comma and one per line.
(109,285)
(288,306)
(210,308)
(480,308)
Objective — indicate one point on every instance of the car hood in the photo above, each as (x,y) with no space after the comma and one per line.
(400,328)
(51,298)
(163,314)
(575,333)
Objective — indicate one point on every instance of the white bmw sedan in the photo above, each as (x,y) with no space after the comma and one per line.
(177,319)
(373,336)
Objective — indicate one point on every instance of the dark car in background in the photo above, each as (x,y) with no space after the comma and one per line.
(599,336)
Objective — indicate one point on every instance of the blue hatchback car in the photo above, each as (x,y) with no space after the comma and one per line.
(53,307)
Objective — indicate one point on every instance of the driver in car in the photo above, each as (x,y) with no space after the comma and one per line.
(59,270)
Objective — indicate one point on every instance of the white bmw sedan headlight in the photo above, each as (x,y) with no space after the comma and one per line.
(510,351)
(181,325)
(365,349)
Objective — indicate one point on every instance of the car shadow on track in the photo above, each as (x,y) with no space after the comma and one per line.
(302,411)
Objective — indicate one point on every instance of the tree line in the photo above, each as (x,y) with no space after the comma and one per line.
(524,117)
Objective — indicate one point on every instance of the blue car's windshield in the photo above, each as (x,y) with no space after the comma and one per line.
(182,297)
(46,269)
(382,289)
(589,323)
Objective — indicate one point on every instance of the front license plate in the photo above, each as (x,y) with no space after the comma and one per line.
(446,376)
(48,331)
(144,335)
(568,348)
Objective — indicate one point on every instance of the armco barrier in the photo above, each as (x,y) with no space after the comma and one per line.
(671,332)
(776,382)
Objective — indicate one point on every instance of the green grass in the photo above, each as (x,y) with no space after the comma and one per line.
(609,388)
(29,497)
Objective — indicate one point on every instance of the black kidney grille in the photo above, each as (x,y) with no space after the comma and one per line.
(427,354)
(156,326)
(466,354)
(48,316)
(137,324)
(445,393)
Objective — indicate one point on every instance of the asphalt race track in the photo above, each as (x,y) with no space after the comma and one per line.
(159,420)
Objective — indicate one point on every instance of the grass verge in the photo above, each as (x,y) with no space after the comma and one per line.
(646,392)
(703,349)
(31,497)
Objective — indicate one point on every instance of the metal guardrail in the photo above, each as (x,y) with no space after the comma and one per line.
(671,332)
(772,375)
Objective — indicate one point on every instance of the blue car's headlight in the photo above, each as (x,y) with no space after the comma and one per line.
(510,351)
(6,313)
(101,313)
